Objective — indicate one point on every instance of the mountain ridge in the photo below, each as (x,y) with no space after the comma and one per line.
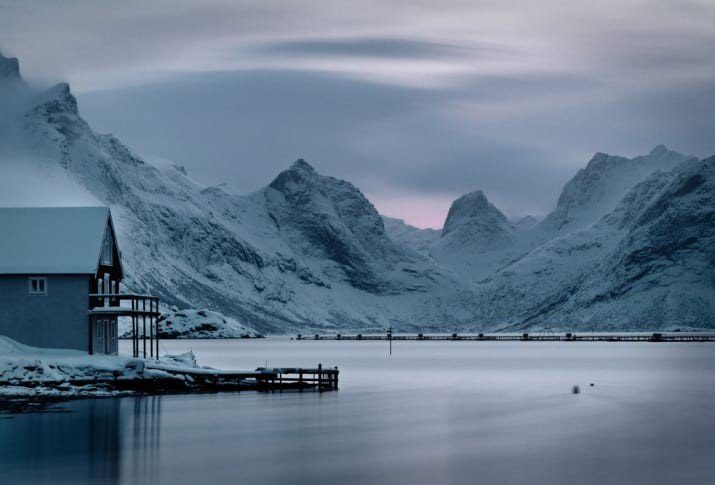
(310,252)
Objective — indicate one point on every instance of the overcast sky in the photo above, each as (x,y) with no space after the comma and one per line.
(415,102)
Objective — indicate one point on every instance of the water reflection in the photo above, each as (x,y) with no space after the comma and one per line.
(58,446)
(143,442)
(432,413)
(87,441)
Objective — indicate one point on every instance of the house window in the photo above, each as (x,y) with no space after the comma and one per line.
(38,285)
(107,252)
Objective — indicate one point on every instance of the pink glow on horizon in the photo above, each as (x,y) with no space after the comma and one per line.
(418,211)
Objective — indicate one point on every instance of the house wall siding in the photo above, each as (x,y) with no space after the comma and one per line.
(58,319)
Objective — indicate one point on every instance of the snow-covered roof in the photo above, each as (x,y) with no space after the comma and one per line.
(52,240)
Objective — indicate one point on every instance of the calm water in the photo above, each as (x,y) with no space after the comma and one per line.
(434,412)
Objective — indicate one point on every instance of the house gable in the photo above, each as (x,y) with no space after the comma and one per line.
(63,240)
(110,260)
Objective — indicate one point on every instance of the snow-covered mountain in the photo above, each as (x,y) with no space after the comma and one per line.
(650,263)
(331,221)
(477,239)
(599,187)
(9,69)
(307,251)
(474,221)
(629,245)
(415,238)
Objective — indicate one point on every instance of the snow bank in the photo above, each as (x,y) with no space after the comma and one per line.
(32,371)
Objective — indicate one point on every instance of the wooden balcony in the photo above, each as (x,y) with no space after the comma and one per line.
(144,313)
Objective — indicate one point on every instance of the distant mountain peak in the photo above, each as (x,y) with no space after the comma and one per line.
(596,189)
(662,152)
(477,196)
(59,100)
(659,150)
(471,204)
(302,165)
(472,219)
(472,207)
(330,219)
(296,180)
(9,68)
(59,89)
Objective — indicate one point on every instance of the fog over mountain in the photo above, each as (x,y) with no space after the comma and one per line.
(416,105)
(630,245)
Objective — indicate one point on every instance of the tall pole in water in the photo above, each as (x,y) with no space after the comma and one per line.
(389,337)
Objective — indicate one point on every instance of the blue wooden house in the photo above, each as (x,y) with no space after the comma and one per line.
(60,276)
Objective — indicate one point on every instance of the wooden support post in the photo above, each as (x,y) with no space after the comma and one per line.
(136,308)
(389,337)
(91,335)
(320,376)
(144,326)
(135,331)
(156,322)
(151,332)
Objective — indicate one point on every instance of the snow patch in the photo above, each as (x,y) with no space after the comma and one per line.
(202,324)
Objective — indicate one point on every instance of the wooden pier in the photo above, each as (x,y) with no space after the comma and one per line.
(262,379)
(317,378)
(526,337)
(158,378)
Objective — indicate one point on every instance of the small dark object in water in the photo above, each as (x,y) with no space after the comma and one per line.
(576,390)
(591,384)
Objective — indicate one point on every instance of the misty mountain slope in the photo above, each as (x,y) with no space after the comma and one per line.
(596,189)
(330,220)
(476,240)
(420,240)
(648,264)
(525,223)
(307,251)
(473,221)
(663,272)
(161,218)
(10,70)
(630,244)
(527,287)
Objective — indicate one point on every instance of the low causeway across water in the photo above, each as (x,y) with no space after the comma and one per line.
(527,337)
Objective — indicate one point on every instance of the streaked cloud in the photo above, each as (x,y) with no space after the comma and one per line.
(427,98)
(364,47)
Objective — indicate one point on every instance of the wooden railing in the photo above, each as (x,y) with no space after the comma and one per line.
(144,313)
(319,378)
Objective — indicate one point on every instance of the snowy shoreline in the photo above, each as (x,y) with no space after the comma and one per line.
(35,373)
(33,376)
